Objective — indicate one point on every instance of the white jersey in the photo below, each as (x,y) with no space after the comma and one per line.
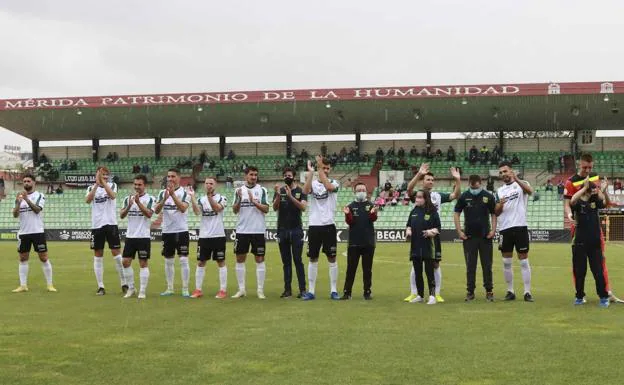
(103,210)
(138,224)
(174,221)
(323,204)
(211,225)
(31,222)
(250,219)
(515,209)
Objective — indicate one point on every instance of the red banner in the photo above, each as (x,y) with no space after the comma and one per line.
(367,93)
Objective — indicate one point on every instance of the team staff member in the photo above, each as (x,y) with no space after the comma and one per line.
(28,208)
(585,204)
(575,183)
(423,225)
(477,205)
(511,210)
(360,215)
(289,201)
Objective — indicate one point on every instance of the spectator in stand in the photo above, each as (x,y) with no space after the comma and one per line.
(145,169)
(490,184)
(231,155)
(343,152)
(278,166)
(485,154)
(561,161)
(221,171)
(203,157)
(549,186)
(423,153)
(450,154)
(387,186)
(115,156)
(536,195)
(109,157)
(515,159)
(379,154)
(496,151)
(401,152)
(43,158)
(438,153)
(136,169)
(560,188)
(617,186)
(390,152)
(403,165)
(379,202)
(211,164)
(324,149)
(473,155)
(73,165)
(59,189)
(393,164)
(50,189)
(64,166)
(394,197)
(304,154)
(413,152)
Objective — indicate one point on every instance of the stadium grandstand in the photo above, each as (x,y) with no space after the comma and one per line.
(378,136)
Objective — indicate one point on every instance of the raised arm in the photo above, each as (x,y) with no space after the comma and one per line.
(307,187)
(161,203)
(147,211)
(424,168)
(276,198)
(323,177)
(126,207)
(91,194)
(525,186)
(457,188)
(34,207)
(579,193)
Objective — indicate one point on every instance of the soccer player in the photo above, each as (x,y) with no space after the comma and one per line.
(322,226)
(101,196)
(477,205)
(211,243)
(575,183)
(423,225)
(251,206)
(139,210)
(360,215)
(438,199)
(289,202)
(585,204)
(173,202)
(28,208)
(511,210)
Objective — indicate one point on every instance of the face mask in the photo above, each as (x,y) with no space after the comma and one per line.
(360,196)
(476,191)
(288,181)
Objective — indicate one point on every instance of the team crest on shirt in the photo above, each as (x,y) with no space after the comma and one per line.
(427,217)
(593,205)
(298,195)
(368,207)
(486,199)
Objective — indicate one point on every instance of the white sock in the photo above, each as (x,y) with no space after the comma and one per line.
(333,276)
(47,271)
(223,278)
(312,273)
(260,275)
(508,271)
(240,276)
(23,273)
(437,274)
(98,268)
(185,272)
(526,274)
(144,274)
(200,271)
(169,272)
(120,269)
(413,288)
(129,277)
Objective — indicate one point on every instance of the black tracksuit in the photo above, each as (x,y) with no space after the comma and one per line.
(477,210)
(422,250)
(587,246)
(361,243)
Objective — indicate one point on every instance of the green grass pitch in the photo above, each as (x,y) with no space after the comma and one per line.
(74,337)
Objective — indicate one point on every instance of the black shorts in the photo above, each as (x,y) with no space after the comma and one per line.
(244,241)
(322,236)
(175,242)
(108,234)
(514,237)
(211,248)
(26,241)
(140,246)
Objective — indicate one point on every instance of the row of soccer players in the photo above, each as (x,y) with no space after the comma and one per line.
(251,204)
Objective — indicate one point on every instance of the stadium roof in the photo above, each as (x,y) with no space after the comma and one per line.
(509,107)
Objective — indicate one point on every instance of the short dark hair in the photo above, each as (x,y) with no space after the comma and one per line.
(360,184)
(289,169)
(430,174)
(174,169)
(141,177)
(474,178)
(505,163)
(28,175)
(250,168)
(587,157)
